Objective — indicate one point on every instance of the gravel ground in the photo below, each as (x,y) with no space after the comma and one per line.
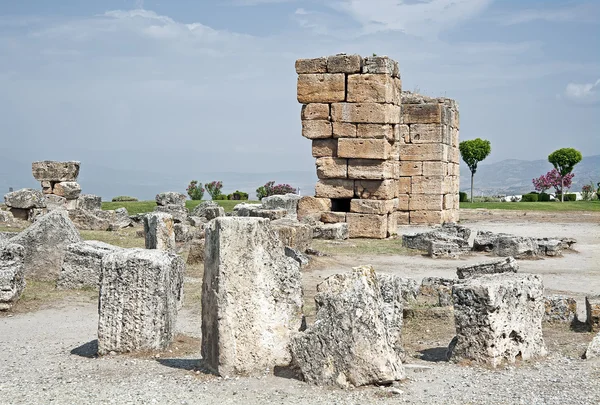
(47,356)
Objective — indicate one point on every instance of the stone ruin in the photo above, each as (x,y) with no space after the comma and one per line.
(384,157)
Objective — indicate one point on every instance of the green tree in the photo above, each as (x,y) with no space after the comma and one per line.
(473,152)
(564,160)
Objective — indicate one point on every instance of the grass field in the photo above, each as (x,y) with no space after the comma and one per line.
(536,206)
(140,207)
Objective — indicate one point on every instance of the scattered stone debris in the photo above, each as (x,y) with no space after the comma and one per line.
(507,265)
(592,309)
(140,292)
(12,274)
(354,338)
(331,231)
(248,329)
(498,317)
(159,231)
(503,244)
(45,242)
(593,349)
(83,264)
(448,240)
(558,308)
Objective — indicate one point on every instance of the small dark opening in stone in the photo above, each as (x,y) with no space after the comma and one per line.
(340,204)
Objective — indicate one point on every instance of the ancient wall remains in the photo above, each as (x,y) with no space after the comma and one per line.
(383,157)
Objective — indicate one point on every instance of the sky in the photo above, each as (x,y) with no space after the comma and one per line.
(197,86)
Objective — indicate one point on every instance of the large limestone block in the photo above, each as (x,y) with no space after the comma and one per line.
(312,207)
(321,88)
(251,298)
(424,152)
(559,308)
(89,202)
(380,65)
(6,217)
(334,188)
(288,202)
(140,292)
(363,206)
(45,242)
(435,169)
(427,133)
(179,213)
(410,168)
(315,111)
(55,171)
(12,274)
(68,189)
(324,148)
(428,185)
(376,189)
(370,169)
(209,210)
(344,130)
(377,131)
(354,339)
(431,202)
(315,65)
(100,220)
(507,265)
(498,318)
(331,168)
(365,113)
(333,217)
(422,113)
(445,233)
(170,198)
(367,225)
(26,198)
(358,148)
(293,233)
(372,88)
(343,63)
(426,217)
(336,231)
(404,185)
(593,349)
(83,264)
(592,309)
(55,202)
(317,129)
(515,246)
(159,231)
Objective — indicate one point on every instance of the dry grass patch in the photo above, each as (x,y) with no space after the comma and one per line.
(125,238)
(390,246)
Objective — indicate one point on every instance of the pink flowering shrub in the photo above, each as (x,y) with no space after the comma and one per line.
(195,190)
(214,189)
(271,188)
(553,179)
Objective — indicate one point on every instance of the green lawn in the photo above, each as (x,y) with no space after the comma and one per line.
(140,207)
(536,206)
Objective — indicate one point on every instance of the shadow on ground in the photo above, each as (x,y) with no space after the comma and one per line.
(88,350)
(435,354)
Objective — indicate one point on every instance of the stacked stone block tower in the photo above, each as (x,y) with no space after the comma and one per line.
(383,157)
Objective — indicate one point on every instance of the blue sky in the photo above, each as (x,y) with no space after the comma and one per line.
(202,86)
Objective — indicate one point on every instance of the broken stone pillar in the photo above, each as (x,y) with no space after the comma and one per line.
(498,318)
(251,297)
(82,264)
(592,308)
(12,274)
(45,243)
(355,338)
(140,291)
(508,265)
(159,231)
(292,233)
(59,183)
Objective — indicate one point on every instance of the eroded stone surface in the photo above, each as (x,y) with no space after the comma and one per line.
(507,265)
(12,274)
(593,349)
(592,308)
(558,308)
(293,233)
(26,198)
(159,231)
(331,231)
(54,171)
(208,210)
(170,198)
(89,202)
(82,264)
(288,202)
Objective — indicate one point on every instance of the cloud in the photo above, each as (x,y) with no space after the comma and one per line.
(258,2)
(583,94)
(581,13)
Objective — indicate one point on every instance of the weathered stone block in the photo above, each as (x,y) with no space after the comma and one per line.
(332,168)
(421,114)
(159,231)
(344,130)
(558,308)
(83,264)
(438,289)
(499,317)
(337,231)
(315,111)
(404,185)
(515,246)
(368,113)
(324,148)
(376,189)
(593,349)
(447,232)
(403,202)
(410,168)
(55,202)
(380,65)
(372,88)
(170,198)
(178,212)
(316,65)
(140,292)
(423,151)
(292,233)
(426,133)
(317,129)
(431,185)
(549,247)
(367,225)
(377,131)
(55,171)
(364,148)
(251,298)
(435,169)
(428,202)
(403,217)
(12,274)
(89,202)
(334,188)
(208,210)
(288,202)
(372,169)
(443,249)
(507,265)
(354,340)
(68,189)
(592,309)
(308,206)
(379,207)
(392,227)
(196,252)
(333,217)
(321,88)
(6,217)
(45,242)
(26,198)
(344,63)
(425,217)
(183,232)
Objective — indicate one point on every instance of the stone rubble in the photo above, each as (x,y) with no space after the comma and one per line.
(508,265)
(12,274)
(82,264)
(592,310)
(558,308)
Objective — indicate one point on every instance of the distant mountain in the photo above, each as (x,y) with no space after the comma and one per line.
(513,176)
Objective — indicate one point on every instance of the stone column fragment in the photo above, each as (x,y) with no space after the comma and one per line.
(159,231)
